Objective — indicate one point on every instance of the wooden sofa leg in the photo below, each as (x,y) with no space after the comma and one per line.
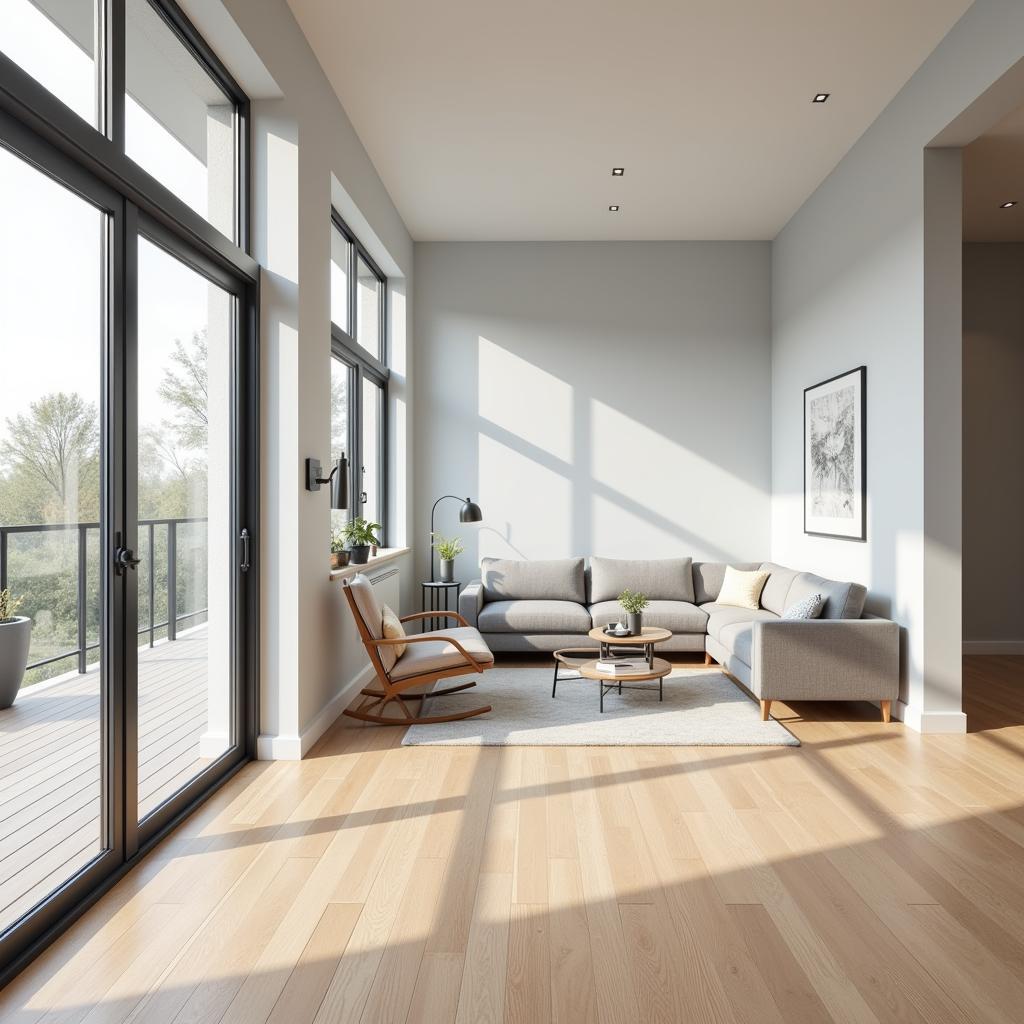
(886,710)
(766,710)
(708,660)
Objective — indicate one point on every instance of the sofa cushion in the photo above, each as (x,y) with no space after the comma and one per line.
(437,655)
(842,600)
(534,617)
(708,576)
(742,589)
(774,595)
(737,638)
(806,608)
(559,579)
(663,579)
(678,616)
(721,615)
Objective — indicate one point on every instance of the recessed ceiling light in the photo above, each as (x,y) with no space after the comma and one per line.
(820,97)
(613,209)
(1006,206)
(618,172)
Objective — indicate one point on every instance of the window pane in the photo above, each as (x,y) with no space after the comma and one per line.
(373,411)
(341,404)
(179,124)
(55,42)
(340,255)
(185,331)
(368,299)
(50,458)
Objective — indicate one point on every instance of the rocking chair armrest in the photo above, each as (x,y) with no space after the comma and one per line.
(434,615)
(422,639)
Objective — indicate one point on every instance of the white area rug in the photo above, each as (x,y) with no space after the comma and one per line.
(701,708)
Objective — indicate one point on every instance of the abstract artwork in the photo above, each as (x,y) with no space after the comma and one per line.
(834,465)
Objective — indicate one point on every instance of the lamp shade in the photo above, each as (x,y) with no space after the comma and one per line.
(339,484)
(470,512)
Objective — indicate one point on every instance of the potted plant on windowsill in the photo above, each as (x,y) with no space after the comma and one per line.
(447,549)
(15,636)
(360,536)
(339,555)
(633,605)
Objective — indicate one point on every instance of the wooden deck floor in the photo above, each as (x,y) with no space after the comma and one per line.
(50,765)
(872,875)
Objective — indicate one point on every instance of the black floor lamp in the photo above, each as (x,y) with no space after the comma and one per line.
(469,513)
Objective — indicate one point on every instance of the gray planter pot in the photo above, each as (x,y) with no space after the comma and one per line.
(447,570)
(15,637)
(360,555)
(635,621)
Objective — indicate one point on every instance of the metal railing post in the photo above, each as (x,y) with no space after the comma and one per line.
(172,580)
(82,569)
(3,559)
(152,588)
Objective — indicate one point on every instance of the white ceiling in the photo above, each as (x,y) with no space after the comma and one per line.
(994,174)
(502,120)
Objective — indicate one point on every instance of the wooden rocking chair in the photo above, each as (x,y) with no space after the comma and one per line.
(429,658)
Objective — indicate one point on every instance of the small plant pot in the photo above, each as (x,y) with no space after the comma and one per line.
(339,559)
(15,637)
(635,621)
(447,570)
(359,555)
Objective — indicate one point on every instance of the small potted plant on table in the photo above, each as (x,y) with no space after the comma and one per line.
(360,536)
(633,605)
(447,549)
(339,555)
(15,636)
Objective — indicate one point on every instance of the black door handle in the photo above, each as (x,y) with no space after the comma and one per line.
(124,559)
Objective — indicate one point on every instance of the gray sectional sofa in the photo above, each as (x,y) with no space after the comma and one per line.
(843,655)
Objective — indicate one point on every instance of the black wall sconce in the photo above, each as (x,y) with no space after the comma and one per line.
(338,479)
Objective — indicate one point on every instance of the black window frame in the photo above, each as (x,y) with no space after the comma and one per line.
(362,365)
(38,127)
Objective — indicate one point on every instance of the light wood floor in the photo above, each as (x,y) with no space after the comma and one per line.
(870,875)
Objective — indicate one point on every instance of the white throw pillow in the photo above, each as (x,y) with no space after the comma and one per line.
(809,608)
(392,629)
(742,589)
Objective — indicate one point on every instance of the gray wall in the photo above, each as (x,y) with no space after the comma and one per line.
(595,398)
(993,441)
(868,271)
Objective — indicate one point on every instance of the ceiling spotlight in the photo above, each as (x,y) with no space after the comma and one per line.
(1006,206)
(613,209)
(618,172)
(820,97)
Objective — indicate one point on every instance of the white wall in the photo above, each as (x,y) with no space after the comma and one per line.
(867,271)
(993,445)
(605,398)
(306,156)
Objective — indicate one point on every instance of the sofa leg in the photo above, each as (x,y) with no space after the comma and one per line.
(886,710)
(766,710)
(708,660)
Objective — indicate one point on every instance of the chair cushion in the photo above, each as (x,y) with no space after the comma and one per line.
(369,607)
(559,579)
(773,597)
(393,630)
(664,579)
(742,589)
(437,655)
(708,576)
(534,617)
(678,616)
(720,615)
(842,600)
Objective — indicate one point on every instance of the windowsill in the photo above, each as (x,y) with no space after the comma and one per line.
(383,555)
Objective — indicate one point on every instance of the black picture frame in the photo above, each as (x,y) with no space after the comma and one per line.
(841,513)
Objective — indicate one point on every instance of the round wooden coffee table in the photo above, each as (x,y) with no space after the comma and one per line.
(649,636)
(657,669)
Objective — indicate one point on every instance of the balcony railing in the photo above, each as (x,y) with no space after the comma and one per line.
(174,618)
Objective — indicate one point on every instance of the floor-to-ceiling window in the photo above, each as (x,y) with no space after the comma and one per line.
(359,375)
(128,458)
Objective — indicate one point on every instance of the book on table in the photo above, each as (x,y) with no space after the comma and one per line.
(615,667)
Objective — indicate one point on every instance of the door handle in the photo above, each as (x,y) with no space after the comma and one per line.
(245,550)
(124,559)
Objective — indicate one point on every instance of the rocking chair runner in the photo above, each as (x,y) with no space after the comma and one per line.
(430,657)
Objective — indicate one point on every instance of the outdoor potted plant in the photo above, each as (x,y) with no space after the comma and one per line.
(359,537)
(447,549)
(15,635)
(339,556)
(633,605)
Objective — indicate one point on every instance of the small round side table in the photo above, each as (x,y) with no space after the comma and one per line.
(435,592)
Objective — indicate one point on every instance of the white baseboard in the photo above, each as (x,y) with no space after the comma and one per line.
(930,722)
(295,748)
(993,647)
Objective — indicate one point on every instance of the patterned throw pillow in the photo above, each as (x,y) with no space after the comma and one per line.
(742,589)
(392,629)
(809,608)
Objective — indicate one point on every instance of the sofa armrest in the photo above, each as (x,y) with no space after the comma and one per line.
(826,659)
(471,600)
